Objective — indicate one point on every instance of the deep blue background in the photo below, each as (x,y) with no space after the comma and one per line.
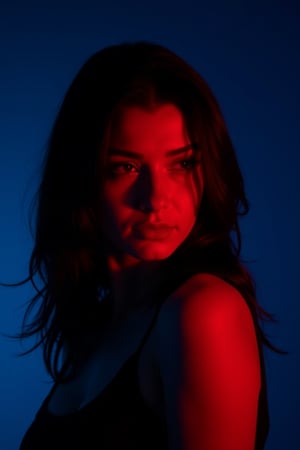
(249,53)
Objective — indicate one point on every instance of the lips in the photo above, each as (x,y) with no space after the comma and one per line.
(153,231)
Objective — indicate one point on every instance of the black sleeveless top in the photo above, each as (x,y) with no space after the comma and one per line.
(118,418)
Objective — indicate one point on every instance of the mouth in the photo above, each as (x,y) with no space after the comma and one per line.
(153,232)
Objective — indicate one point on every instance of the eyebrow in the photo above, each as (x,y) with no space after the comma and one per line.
(129,153)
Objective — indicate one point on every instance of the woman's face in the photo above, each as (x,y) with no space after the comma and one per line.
(153,185)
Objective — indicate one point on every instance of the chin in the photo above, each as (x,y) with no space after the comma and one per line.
(153,252)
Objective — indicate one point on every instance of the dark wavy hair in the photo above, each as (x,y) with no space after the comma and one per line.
(68,257)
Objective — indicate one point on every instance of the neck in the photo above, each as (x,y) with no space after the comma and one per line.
(132,286)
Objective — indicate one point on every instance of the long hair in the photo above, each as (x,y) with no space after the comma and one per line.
(68,257)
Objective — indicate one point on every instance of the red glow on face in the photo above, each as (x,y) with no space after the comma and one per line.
(153,187)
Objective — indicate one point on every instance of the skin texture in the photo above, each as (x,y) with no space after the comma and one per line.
(209,365)
(145,190)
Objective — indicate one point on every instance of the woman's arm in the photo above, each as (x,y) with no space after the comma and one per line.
(209,364)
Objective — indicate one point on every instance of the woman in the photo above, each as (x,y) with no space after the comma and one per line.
(147,318)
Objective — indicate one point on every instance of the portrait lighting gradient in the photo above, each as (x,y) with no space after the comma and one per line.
(249,54)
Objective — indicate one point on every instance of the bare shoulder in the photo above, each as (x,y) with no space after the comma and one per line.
(203,307)
(205,296)
(209,365)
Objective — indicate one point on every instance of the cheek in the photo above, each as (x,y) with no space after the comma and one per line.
(189,198)
(113,199)
(115,214)
(112,214)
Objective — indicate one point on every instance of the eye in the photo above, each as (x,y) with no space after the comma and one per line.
(121,168)
(186,164)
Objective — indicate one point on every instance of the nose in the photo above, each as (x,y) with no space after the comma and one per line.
(152,191)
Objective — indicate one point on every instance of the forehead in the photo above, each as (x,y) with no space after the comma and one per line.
(140,129)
